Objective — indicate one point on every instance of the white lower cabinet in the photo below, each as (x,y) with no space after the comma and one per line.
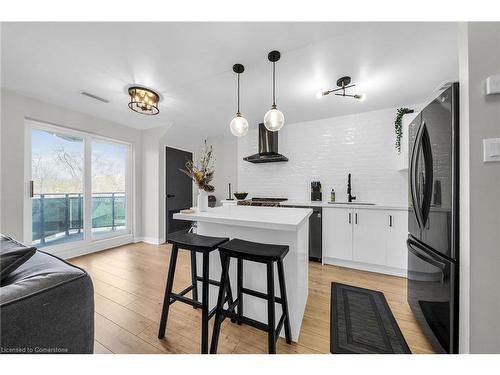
(396,236)
(337,233)
(368,239)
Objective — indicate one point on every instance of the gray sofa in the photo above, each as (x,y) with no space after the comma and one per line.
(46,306)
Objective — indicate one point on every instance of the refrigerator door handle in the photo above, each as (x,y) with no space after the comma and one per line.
(413,175)
(424,256)
(429,174)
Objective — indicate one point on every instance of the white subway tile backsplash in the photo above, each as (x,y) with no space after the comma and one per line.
(327,150)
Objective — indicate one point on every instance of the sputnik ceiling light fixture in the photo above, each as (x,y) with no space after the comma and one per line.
(274,119)
(343,83)
(239,124)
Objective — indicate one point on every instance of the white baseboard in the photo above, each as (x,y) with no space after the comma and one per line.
(93,247)
(150,240)
(366,266)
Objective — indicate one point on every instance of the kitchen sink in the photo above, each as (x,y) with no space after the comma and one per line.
(353,203)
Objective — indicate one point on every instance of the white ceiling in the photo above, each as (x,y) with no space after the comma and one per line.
(190,64)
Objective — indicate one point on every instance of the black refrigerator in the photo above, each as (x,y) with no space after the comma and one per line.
(433,232)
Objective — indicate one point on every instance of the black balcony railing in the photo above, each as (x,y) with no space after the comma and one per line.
(61,215)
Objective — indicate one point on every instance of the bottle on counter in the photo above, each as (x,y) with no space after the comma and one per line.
(332,196)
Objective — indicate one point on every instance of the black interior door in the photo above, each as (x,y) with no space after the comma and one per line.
(179,188)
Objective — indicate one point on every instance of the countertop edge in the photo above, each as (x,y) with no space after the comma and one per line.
(344,206)
(242,222)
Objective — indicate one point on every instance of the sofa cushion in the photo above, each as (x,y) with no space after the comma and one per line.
(41,273)
(12,255)
(47,306)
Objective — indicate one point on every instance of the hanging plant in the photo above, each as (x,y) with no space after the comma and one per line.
(398,127)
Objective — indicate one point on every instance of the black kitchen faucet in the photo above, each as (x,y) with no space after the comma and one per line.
(350,197)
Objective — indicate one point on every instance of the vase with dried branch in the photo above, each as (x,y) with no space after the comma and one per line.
(202,174)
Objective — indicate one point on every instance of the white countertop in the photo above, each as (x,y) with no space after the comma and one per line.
(276,218)
(343,205)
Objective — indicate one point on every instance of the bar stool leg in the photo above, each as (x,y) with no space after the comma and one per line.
(271,325)
(204,304)
(219,317)
(193,276)
(284,302)
(168,291)
(240,290)
(229,297)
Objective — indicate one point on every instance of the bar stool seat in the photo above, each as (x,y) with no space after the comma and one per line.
(261,253)
(194,243)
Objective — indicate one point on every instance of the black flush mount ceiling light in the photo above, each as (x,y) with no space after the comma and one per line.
(274,119)
(343,83)
(239,124)
(143,100)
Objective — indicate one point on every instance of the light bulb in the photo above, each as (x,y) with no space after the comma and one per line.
(321,93)
(274,119)
(361,97)
(239,126)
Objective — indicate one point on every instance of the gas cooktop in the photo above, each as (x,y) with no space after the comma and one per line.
(259,201)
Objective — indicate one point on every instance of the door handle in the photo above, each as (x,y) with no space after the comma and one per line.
(429,174)
(390,220)
(32,189)
(349,218)
(425,257)
(356,218)
(417,209)
(170,195)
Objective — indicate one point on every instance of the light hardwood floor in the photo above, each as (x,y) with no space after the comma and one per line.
(129,283)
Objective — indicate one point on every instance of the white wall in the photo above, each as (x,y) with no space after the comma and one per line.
(14,109)
(153,198)
(327,150)
(479,194)
(225,151)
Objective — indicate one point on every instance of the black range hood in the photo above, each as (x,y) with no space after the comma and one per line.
(268,148)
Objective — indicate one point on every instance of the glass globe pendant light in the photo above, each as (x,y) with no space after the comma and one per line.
(274,119)
(239,124)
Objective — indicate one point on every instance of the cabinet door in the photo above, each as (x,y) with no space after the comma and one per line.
(337,233)
(397,233)
(369,231)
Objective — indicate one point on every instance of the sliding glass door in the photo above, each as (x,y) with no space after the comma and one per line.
(79,187)
(57,165)
(109,199)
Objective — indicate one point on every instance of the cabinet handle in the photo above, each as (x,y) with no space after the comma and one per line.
(356,218)
(390,220)
(349,218)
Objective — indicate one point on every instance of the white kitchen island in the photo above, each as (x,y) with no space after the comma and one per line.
(273,225)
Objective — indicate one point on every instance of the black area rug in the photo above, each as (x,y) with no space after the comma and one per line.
(361,322)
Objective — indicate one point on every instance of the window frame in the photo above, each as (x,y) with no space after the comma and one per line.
(88,237)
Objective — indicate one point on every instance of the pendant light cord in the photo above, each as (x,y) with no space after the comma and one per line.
(238,92)
(274,83)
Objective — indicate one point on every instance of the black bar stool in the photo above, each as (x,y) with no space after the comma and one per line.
(261,253)
(194,243)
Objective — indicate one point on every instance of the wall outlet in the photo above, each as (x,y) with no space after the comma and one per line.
(491,149)
(493,85)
